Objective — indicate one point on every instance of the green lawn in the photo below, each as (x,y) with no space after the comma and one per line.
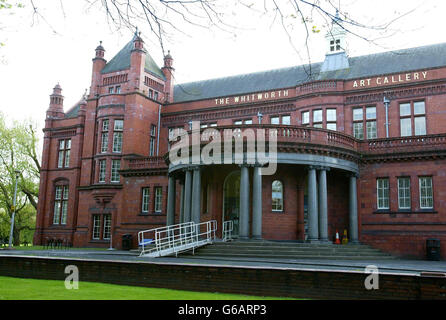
(34,289)
(23,247)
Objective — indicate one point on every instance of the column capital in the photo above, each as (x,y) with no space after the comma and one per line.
(353,175)
(323,168)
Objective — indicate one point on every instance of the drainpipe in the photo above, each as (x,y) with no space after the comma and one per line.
(386,104)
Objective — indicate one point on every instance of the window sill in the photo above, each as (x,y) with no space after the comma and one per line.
(153,214)
(277,211)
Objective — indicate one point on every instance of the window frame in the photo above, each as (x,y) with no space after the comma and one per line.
(431,192)
(378,193)
(281,199)
(407,197)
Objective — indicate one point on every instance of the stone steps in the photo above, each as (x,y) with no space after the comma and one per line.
(290,250)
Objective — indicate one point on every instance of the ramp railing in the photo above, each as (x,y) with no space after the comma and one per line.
(228,227)
(177,238)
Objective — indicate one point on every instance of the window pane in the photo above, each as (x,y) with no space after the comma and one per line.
(105,125)
(419,108)
(406,127)
(358,130)
(96,226)
(317,125)
(62,144)
(370,113)
(119,125)
(63,219)
(420,126)
(331,126)
(68,144)
(67,159)
(102,165)
(371,130)
(56,212)
(107,226)
(60,159)
(117,142)
(158,198)
(249,121)
(317,116)
(104,142)
(331,114)
(306,117)
(145,200)
(116,165)
(58,195)
(286,120)
(275,120)
(405,109)
(239,122)
(357,114)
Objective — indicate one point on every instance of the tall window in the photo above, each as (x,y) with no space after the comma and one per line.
(412,120)
(317,118)
(331,119)
(358,124)
(152,140)
(145,200)
(60,205)
(404,193)
(63,160)
(277,196)
(103,221)
(158,198)
(382,186)
(104,136)
(117,136)
(116,165)
(370,123)
(102,168)
(426,193)
(96,234)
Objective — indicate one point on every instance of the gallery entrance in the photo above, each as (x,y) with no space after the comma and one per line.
(231,200)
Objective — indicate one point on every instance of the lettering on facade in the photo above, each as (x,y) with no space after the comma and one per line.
(384,80)
(252,97)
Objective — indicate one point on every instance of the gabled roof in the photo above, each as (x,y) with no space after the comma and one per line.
(398,61)
(121,61)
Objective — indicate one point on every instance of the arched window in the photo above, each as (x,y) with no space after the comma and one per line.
(277,196)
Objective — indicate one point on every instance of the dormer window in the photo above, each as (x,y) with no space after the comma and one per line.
(335,45)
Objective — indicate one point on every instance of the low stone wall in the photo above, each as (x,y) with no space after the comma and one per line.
(261,281)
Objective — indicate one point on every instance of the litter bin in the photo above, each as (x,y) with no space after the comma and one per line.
(433,249)
(126,241)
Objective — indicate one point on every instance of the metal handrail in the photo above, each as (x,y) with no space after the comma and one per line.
(228,227)
(177,238)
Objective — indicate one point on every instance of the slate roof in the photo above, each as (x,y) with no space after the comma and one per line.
(121,61)
(398,61)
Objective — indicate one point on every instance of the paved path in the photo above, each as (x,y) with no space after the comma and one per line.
(387,266)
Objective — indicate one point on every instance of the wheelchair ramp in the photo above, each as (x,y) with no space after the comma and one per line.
(174,239)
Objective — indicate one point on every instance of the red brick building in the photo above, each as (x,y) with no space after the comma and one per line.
(340,163)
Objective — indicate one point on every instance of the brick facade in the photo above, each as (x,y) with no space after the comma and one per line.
(136,94)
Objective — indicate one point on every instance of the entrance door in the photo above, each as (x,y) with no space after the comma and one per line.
(231,200)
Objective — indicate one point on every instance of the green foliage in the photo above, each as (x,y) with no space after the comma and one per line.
(18,152)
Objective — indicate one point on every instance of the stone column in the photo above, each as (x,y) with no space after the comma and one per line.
(244,203)
(182,202)
(323,215)
(187,195)
(257,204)
(313,225)
(171,198)
(196,195)
(353,217)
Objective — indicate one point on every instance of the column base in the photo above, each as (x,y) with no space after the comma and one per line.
(243,238)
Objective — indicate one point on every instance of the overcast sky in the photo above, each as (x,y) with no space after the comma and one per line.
(39,54)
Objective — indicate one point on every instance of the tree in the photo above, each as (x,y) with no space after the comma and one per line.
(18,152)
(299,19)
